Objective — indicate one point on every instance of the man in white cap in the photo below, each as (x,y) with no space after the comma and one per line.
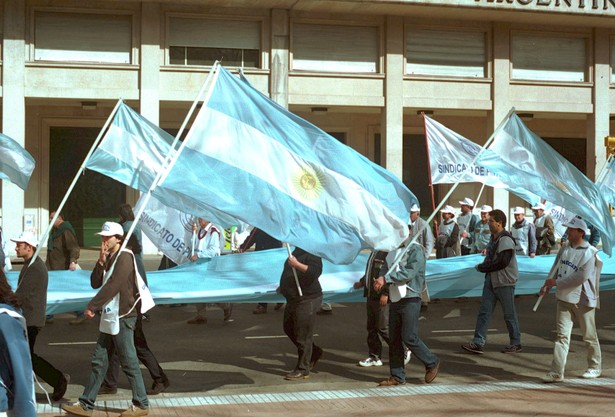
(418,225)
(576,277)
(32,290)
(466,221)
(482,233)
(114,280)
(447,243)
(545,230)
(524,233)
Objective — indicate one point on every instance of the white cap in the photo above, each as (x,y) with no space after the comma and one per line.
(486,209)
(519,210)
(467,202)
(111,229)
(578,223)
(448,209)
(27,237)
(414,208)
(538,206)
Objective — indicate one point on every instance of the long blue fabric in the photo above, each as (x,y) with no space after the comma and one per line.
(253,277)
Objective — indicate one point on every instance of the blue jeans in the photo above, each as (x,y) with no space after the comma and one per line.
(124,345)
(506,297)
(404,330)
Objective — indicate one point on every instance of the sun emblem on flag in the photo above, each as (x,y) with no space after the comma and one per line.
(561,186)
(308,182)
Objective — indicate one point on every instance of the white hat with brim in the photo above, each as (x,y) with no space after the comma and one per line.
(578,223)
(519,210)
(486,209)
(448,209)
(27,237)
(414,208)
(111,229)
(467,202)
(538,206)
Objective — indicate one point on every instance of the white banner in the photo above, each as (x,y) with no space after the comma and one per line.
(169,229)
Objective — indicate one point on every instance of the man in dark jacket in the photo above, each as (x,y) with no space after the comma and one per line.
(300,312)
(32,290)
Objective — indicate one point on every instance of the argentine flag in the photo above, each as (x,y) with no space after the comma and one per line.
(16,164)
(254,160)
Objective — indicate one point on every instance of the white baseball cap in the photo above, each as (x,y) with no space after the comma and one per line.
(27,237)
(414,208)
(519,210)
(111,229)
(486,209)
(448,209)
(578,223)
(467,202)
(538,206)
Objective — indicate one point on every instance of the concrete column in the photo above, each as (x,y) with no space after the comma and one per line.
(393,116)
(598,122)
(280,45)
(500,95)
(14,110)
(149,101)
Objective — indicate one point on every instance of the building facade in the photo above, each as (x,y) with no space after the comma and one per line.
(361,70)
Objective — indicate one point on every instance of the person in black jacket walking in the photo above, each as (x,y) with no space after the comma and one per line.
(300,312)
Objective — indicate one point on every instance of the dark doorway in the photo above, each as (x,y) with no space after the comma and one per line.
(416,170)
(95,198)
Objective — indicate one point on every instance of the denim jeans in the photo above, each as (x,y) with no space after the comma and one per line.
(299,321)
(124,345)
(404,330)
(506,297)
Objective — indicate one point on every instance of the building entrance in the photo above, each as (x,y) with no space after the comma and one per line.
(95,198)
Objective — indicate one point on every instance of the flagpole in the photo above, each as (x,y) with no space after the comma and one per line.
(433,197)
(454,187)
(294,271)
(171,158)
(480,193)
(72,185)
(603,170)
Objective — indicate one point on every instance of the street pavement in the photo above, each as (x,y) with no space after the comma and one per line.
(237,368)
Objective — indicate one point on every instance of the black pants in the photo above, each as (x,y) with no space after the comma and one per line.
(377,327)
(43,369)
(144,354)
(299,321)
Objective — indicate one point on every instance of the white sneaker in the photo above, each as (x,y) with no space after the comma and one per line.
(552,377)
(591,373)
(407,356)
(370,362)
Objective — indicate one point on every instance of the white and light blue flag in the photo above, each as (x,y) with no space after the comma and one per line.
(522,160)
(133,151)
(607,182)
(16,164)
(254,160)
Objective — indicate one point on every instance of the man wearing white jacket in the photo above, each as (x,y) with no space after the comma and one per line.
(576,276)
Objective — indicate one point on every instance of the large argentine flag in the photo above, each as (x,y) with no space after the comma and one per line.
(16,164)
(254,160)
(522,160)
(133,152)
(607,182)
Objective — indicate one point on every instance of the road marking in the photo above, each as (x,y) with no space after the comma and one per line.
(71,343)
(278,336)
(398,391)
(461,331)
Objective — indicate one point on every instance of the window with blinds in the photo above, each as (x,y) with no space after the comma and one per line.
(454,53)
(82,37)
(549,58)
(335,48)
(195,41)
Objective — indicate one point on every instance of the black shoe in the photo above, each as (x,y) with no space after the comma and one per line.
(316,355)
(159,386)
(107,389)
(512,349)
(473,347)
(60,389)
(296,375)
(324,312)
